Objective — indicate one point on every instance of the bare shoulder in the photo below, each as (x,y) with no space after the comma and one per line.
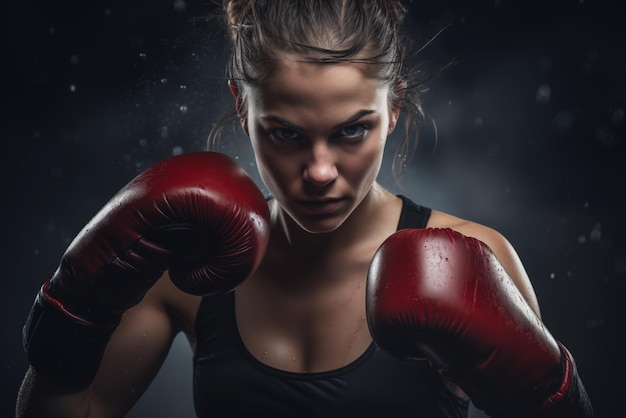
(500,246)
(494,239)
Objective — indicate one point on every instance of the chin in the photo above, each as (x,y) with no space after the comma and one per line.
(318,230)
(316,223)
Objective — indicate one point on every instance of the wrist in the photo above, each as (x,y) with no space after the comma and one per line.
(568,400)
(62,346)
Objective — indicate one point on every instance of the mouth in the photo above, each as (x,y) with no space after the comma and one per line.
(321,206)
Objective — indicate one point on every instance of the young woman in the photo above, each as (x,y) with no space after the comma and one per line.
(344,281)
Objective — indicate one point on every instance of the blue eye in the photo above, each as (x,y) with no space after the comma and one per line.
(353,131)
(283,134)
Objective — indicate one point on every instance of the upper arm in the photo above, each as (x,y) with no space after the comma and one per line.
(501,247)
(134,355)
(508,257)
(511,262)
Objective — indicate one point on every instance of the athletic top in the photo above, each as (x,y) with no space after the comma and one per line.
(229,382)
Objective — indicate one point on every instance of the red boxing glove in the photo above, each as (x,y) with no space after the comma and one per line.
(438,294)
(197,214)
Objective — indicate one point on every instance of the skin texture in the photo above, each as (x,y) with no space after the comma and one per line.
(319,140)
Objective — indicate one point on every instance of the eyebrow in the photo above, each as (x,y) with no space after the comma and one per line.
(358,115)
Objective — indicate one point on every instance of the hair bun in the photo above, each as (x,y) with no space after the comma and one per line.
(234,12)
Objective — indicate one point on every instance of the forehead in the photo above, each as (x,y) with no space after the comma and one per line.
(298,83)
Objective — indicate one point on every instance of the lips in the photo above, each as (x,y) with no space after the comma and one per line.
(321,206)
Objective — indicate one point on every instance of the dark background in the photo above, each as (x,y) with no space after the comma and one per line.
(530,140)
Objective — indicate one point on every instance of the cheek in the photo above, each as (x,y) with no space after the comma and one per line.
(276,171)
(366,164)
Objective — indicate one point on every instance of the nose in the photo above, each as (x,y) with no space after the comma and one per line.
(320,170)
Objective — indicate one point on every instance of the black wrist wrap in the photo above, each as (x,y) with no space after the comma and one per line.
(63,347)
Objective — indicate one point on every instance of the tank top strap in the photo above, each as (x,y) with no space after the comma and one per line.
(413,215)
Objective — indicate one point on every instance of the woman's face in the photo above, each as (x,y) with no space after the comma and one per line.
(318,133)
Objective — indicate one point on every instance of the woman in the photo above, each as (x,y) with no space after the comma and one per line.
(318,87)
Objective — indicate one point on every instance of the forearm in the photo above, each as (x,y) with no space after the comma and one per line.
(41,398)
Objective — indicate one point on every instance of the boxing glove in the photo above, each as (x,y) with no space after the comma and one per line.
(438,294)
(197,215)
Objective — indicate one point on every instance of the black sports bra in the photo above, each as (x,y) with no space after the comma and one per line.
(229,382)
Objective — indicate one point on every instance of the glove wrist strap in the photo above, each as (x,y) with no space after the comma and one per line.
(64,347)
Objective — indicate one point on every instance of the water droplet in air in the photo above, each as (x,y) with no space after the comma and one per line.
(180,6)
(596,233)
(543,93)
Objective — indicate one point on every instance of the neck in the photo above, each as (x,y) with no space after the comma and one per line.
(305,263)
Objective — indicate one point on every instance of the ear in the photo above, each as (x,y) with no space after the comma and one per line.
(396,104)
(239,105)
(394,114)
